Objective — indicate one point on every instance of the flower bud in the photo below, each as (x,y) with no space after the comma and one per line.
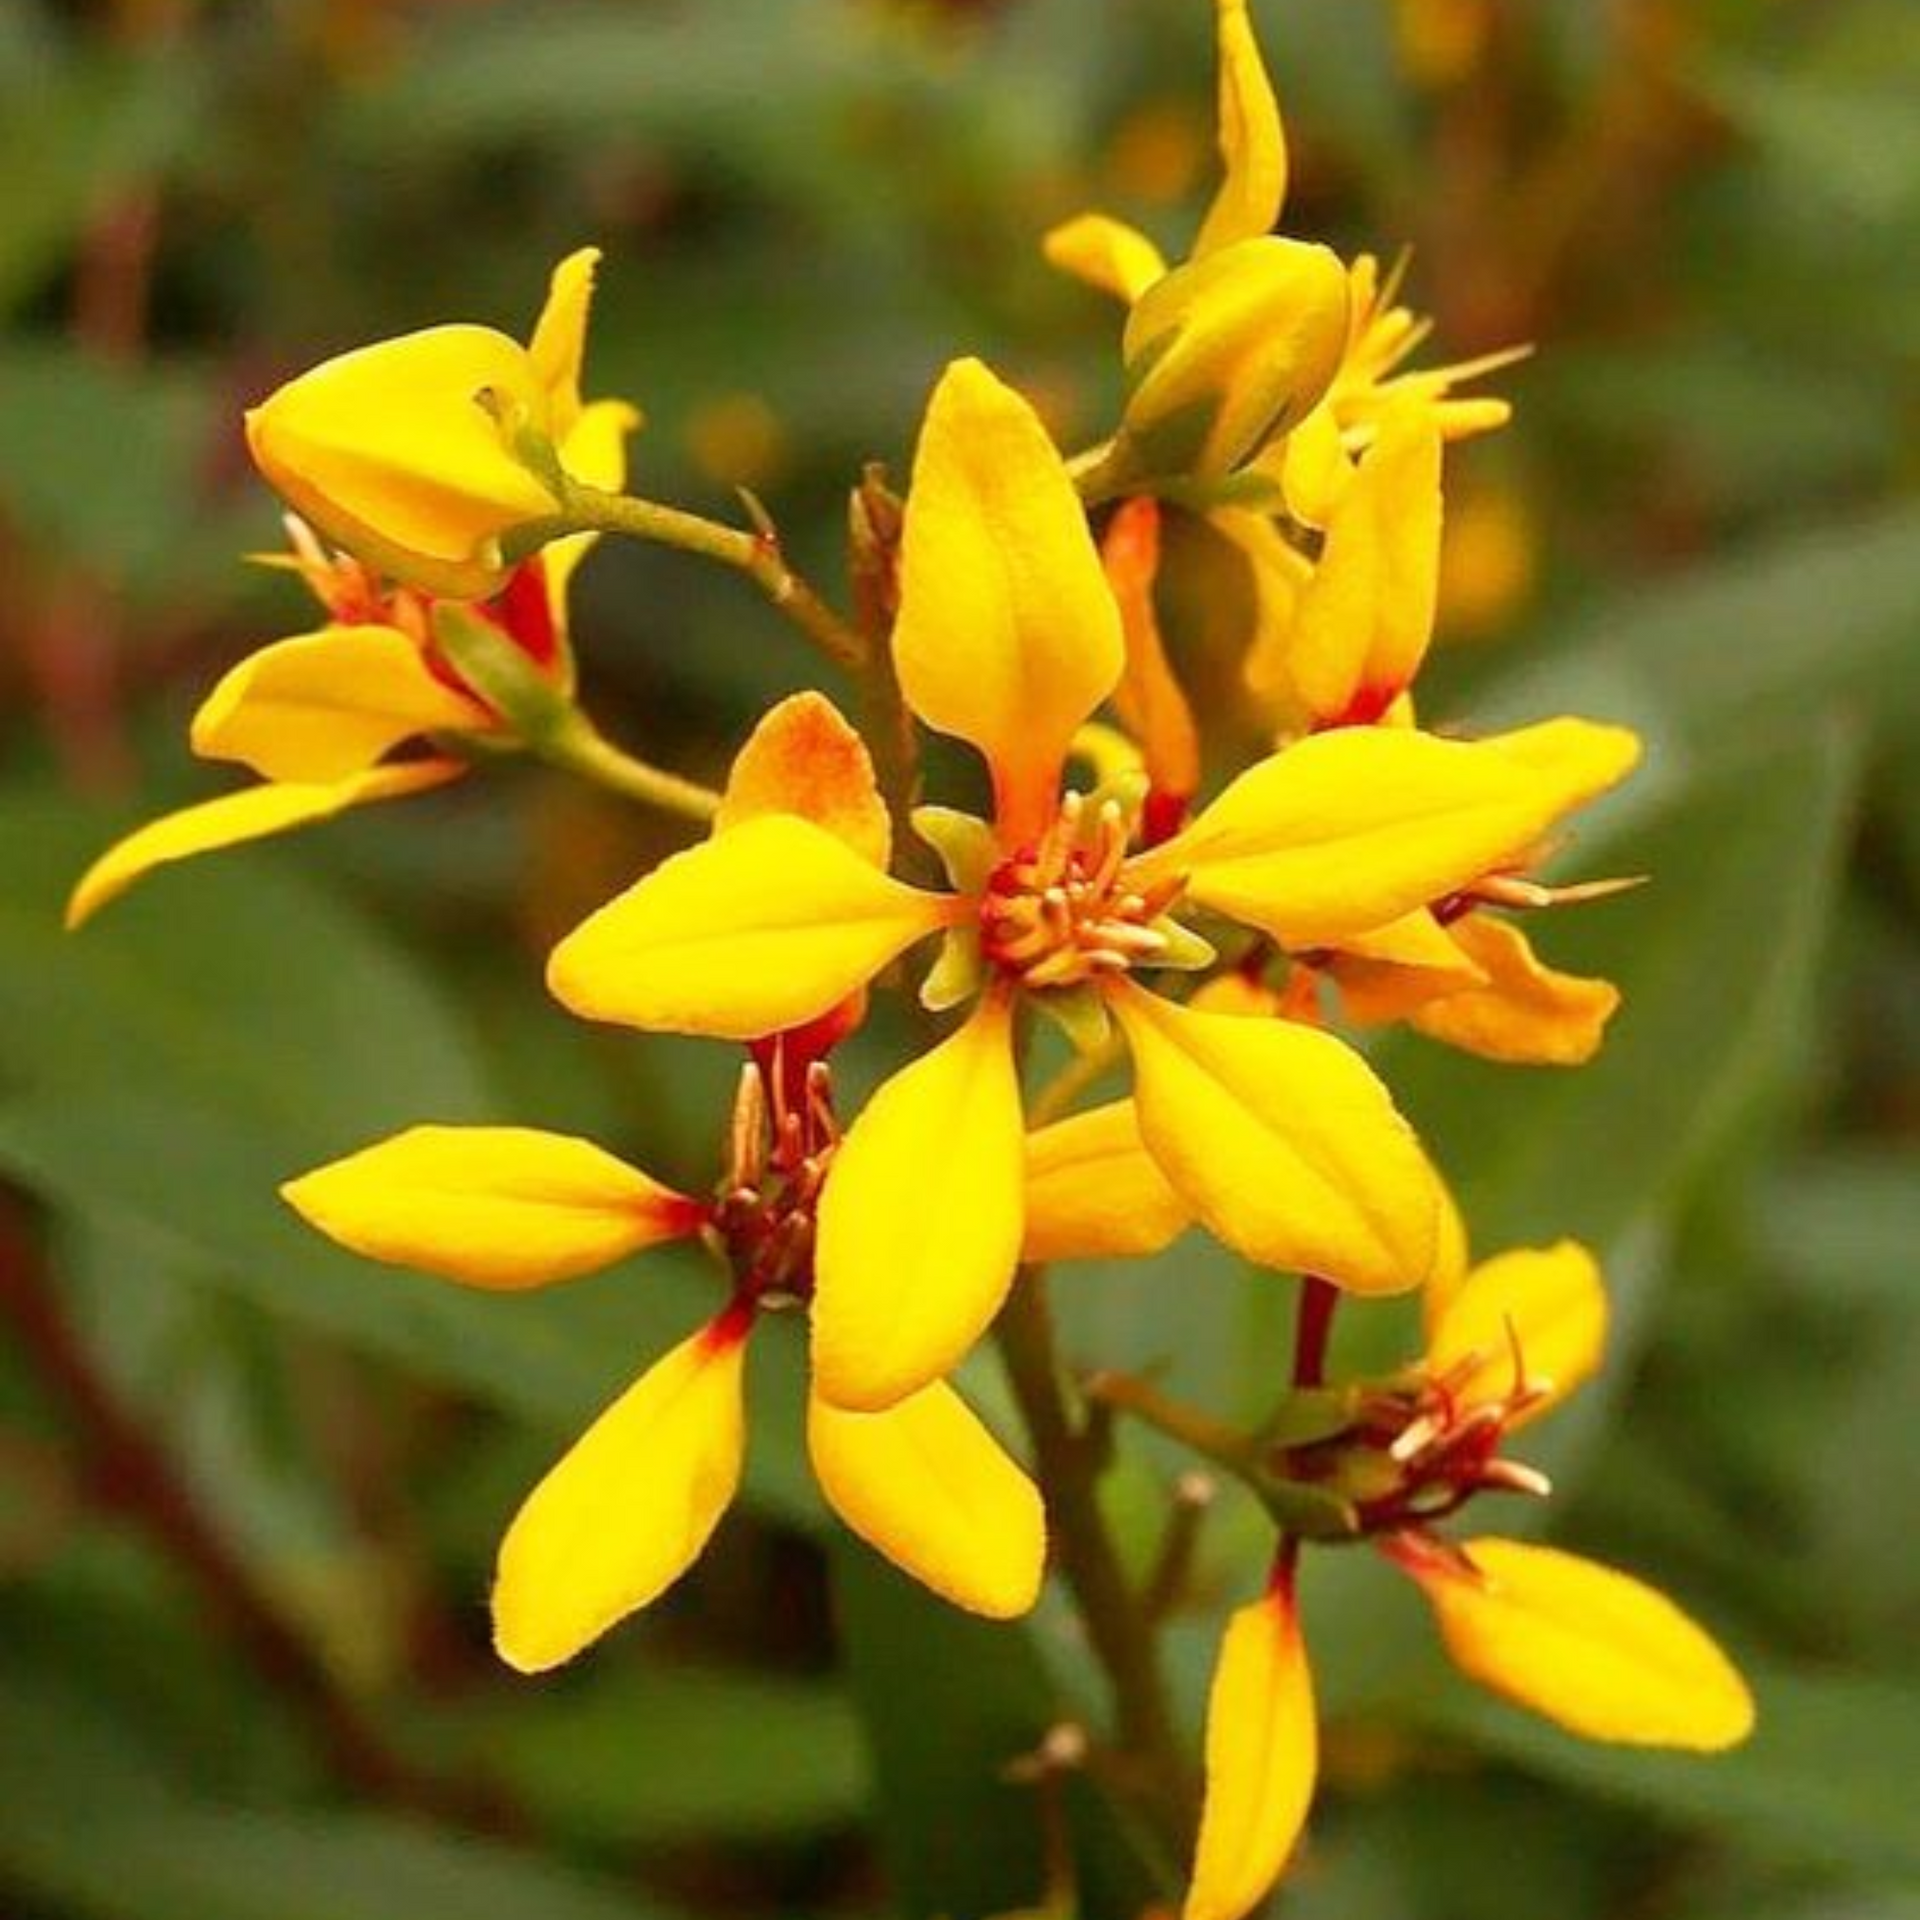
(417,454)
(1226,353)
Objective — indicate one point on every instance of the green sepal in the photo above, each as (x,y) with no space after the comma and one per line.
(1079,1012)
(1185,951)
(957,971)
(536,708)
(965,844)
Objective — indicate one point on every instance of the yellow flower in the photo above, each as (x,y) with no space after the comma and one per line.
(1280,1139)
(316,715)
(1603,1655)
(420,454)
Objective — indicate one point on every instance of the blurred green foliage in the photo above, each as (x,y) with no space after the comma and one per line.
(243,1672)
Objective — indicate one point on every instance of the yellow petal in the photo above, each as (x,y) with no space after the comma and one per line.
(502,1207)
(759,929)
(1263,1751)
(926,1484)
(1596,1651)
(593,450)
(1106,254)
(628,1508)
(328,704)
(1394,971)
(1315,467)
(1351,829)
(390,452)
(251,814)
(1546,1302)
(1095,1192)
(920,1222)
(1366,617)
(1284,1142)
(1148,699)
(559,343)
(803,758)
(1525,1011)
(1008,637)
(1253,145)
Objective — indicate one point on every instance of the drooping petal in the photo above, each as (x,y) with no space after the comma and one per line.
(1545,1304)
(1107,254)
(1284,1142)
(559,345)
(1262,1754)
(502,1207)
(1526,1012)
(926,1484)
(757,930)
(1366,618)
(628,1508)
(1598,1652)
(251,814)
(1351,829)
(1253,144)
(803,758)
(325,705)
(1148,698)
(1094,1191)
(398,452)
(921,1219)
(1008,637)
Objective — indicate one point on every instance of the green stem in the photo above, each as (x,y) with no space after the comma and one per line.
(581,748)
(1068,1464)
(756,554)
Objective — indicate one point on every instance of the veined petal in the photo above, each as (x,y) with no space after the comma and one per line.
(328,704)
(803,758)
(1008,637)
(1107,254)
(1546,1303)
(1285,1143)
(926,1484)
(628,1508)
(921,1219)
(559,345)
(1525,1012)
(502,1207)
(251,814)
(1598,1652)
(1094,1191)
(1346,831)
(1366,617)
(1148,698)
(759,929)
(1262,1753)
(1253,145)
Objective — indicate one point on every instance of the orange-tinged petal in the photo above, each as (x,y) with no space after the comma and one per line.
(1262,1753)
(328,704)
(1148,699)
(1008,637)
(559,343)
(1107,254)
(1253,145)
(390,452)
(1351,829)
(1366,617)
(1603,1655)
(804,758)
(1394,971)
(1095,1192)
(1525,1011)
(926,1484)
(628,1508)
(1285,1143)
(251,814)
(921,1219)
(502,1207)
(759,929)
(1546,1303)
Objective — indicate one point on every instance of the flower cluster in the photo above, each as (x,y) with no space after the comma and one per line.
(1199,919)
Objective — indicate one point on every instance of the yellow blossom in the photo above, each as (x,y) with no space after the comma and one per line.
(421,454)
(1280,1138)
(1601,1654)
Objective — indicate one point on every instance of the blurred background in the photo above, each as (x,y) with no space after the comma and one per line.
(250,1487)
